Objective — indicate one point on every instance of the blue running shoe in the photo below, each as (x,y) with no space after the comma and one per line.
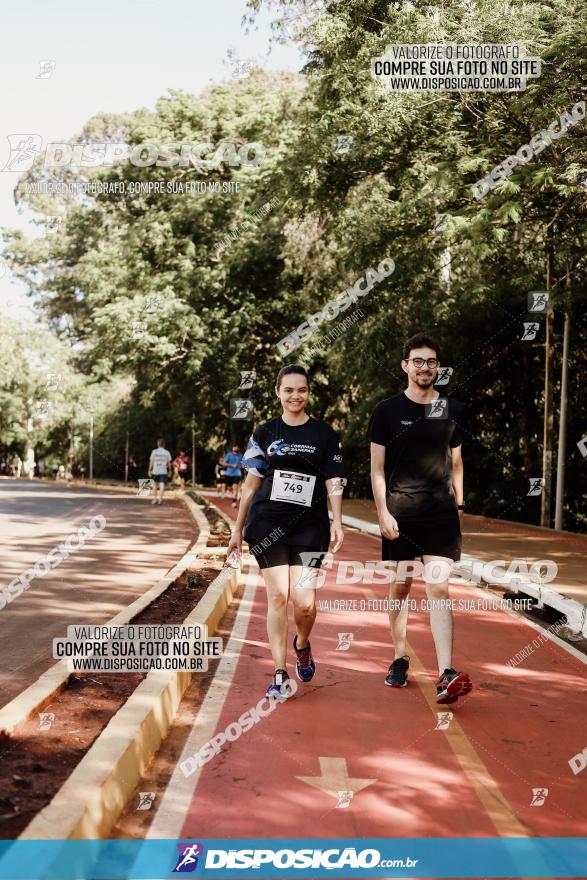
(279,688)
(305,663)
(397,675)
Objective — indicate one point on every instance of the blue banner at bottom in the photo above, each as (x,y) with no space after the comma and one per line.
(292,857)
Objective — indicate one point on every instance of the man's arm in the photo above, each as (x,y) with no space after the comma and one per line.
(150,471)
(387,523)
(378,477)
(458,472)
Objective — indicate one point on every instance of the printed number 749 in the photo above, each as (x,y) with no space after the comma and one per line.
(293,487)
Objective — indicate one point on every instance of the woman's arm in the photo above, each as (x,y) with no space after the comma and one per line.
(335,487)
(250,486)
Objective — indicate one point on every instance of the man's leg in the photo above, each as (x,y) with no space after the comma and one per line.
(398,616)
(154,492)
(438,569)
(161,490)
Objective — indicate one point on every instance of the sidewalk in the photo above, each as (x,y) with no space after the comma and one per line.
(412,768)
(489,539)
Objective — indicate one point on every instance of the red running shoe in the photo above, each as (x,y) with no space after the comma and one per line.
(451,685)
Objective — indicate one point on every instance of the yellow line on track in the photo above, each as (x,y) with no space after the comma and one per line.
(504,819)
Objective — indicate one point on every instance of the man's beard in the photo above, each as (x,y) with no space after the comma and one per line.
(425,381)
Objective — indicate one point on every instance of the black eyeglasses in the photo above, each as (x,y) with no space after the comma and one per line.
(419,362)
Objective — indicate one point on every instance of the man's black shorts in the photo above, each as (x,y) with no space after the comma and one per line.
(160,478)
(424,537)
(286,554)
(232,481)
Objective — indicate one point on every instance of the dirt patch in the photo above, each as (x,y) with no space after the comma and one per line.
(138,814)
(35,763)
(219,528)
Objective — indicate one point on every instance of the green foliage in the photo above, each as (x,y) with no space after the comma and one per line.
(214,286)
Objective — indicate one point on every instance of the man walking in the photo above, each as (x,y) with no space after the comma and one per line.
(159,470)
(417,479)
(234,474)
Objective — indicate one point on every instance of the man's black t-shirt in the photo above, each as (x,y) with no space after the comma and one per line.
(294,462)
(417,439)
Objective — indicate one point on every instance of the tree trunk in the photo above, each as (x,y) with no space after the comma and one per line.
(548,400)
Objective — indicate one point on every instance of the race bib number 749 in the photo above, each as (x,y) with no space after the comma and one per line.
(292,487)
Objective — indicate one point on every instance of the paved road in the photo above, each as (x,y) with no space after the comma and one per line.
(139,544)
(415,769)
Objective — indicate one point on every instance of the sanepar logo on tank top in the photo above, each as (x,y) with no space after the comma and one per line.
(282,447)
(279,447)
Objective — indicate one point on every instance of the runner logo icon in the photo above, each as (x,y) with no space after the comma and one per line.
(312,560)
(539,795)
(278,447)
(437,409)
(187,859)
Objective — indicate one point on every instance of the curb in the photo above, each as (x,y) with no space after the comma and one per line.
(90,801)
(574,611)
(172,491)
(37,695)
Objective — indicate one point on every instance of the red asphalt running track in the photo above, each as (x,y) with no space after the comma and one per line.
(346,730)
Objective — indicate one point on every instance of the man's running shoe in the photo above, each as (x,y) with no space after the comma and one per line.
(279,688)
(305,663)
(397,675)
(451,685)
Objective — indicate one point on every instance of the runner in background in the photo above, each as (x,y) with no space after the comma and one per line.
(132,470)
(183,463)
(220,473)
(293,465)
(234,474)
(159,470)
(417,479)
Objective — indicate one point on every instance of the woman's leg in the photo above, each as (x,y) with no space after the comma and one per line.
(304,601)
(277,586)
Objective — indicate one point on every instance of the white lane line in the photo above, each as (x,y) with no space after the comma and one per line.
(176,801)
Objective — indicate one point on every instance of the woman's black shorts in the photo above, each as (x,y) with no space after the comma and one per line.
(440,536)
(286,554)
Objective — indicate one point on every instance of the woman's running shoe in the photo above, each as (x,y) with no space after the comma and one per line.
(305,663)
(279,688)
(451,685)
(397,675)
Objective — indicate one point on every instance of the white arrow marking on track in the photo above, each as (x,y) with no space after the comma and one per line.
(334,777)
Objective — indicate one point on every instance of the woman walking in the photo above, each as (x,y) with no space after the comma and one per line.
(293,464)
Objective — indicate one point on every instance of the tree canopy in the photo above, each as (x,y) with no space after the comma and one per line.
(164,297)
